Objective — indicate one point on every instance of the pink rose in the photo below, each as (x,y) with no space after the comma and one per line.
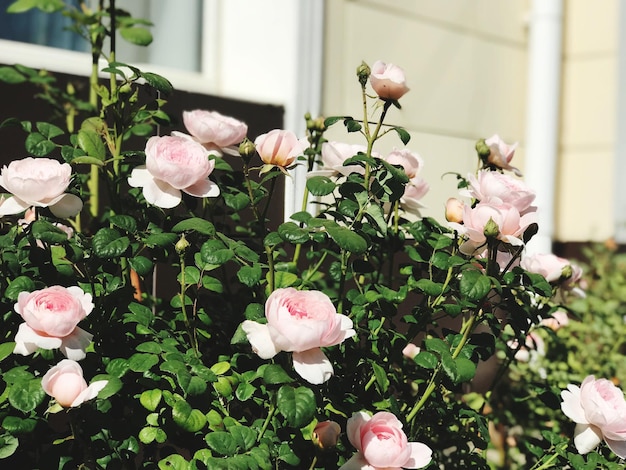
(279,147)
(300,322)
(552,267)
(496,187)
(326,434)
(174,164)
(50,318)
(414,191)
(382,445)
(388,81)
(511,225)
(533,346)
(411,162)
(410,351)
(599,410)
(65,383)
(559,319)
(454,210)
(335,153)
(501,154)
(210,127)
(39,182)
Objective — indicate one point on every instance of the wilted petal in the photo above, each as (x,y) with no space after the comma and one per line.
(586,438)
(260,339)
(74,345)
(90,392)
(68,206)
(313,366)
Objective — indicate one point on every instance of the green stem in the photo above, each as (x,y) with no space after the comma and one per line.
(183,308)
(345,255)
(313,463)
(267,421)
(270,265)
(550,460)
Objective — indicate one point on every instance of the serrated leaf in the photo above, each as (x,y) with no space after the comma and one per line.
(222,442)
(188,418)
(150,399)
(8,445)
(124,222)
(291,232)
(195,224)
(244,391)
(49,131)
(11,76)
(347,239)
(320,185)
(142,265)
(174,462)
(142,362)
(250,275)
(474,285)
(244,436)
(91,143)
(17,285)
(37,145)
(108,243)
(429,287)
(465,370)
(26,395)
(6,349)
(214,252)
(403,134)
(381,378)
(158,82)
(274,374)
(297,405)
(161,239)
(426,360)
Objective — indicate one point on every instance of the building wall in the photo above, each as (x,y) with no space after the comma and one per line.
(466,64)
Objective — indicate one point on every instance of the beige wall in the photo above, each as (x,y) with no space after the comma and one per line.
(466,64)
(588,121)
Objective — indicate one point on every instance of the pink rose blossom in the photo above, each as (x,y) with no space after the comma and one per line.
(39,182)
(599,410)
(558,320)
(410,351)
(174,164)
(533,346)
(454,210)
(496,187)
(65,383)
(388,81)
(501,154)
(210,127)
(510,223)
(50,318)
(279,147)
(410,161)
(300,322)
(382,444)
(414,191)
(333,156)
(552,267)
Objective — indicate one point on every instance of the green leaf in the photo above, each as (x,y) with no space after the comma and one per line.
(381,378)
(250,275)
(426,360)
(91,143)
(8,445)
(108,243)
(49,131)
(189,419)
(87,161)
(6,349)
(320,185)
(37,145)
(329,121)
(352,125)
(136,35)
(161,239)
(47,232)
(297,405)
(26,395)
(142,362)
(275,374)
(10,75)
(347,239)
(213,252)
(47,6)
(174,462)
(465,368)
(195,224)
(118,367)
(17,425)
(403,134)
(125,222)
(291,232)
(244,391)
(244,436)
(113,385)
(474,284)
(142,265)
(429,287)
(222,442)
(158,82)
(213,284)
(283,279)
(150,399)
(17,285)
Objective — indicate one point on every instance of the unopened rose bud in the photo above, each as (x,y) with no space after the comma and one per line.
(410,351)
(491,229)
(182,244)
(363,72)
(247,149)
(326,434)
(483,150)
(454,210)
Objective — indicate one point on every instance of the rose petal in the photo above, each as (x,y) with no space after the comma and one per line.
(421,455)
(161,194)
(357,462)
(28,340)
(90,392)
(313,366)
(203,188)
(68,206)
(571,404)
(260,339)
(13,205)
(586,438)
(74,345)
(618,447)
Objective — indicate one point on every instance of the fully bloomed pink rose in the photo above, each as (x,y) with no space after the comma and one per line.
(50,318)
(382,444)
(39,182)
(65,383)
(410,161)
(174,164)
(210,127)
(510,223)
(599,410)
(493,186)
(300,322)
(388,81)
(501,154)
(279,147)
